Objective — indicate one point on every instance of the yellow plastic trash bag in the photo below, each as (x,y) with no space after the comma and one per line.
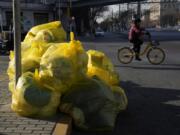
(31,57)
(11,85)
(92,104)
(62,64)
(120,97)
(99,65)
(10,70)
(49,32)
(32,98)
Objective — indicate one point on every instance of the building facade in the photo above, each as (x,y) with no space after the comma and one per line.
(35,12)
(32,13)
(164,12)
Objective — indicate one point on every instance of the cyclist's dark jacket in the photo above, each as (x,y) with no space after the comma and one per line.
(135,33)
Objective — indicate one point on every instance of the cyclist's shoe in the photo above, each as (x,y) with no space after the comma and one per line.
(139,59)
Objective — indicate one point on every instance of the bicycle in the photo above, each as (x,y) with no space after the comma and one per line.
(154,54)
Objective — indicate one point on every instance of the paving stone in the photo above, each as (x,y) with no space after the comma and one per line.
(13,120)
(22,118)
(48,128)
(2,119)
(12,133)
(8,125)
(5,123)
(7,131)
(26,125)
(2,128)
(31,134)
(15,128)
(42,132)
(34,128)
(38,122)
(22,131)
(10,117)
(5,114)
(20,122)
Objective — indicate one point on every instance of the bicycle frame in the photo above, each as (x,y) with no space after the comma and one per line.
(143,52)
(148,46)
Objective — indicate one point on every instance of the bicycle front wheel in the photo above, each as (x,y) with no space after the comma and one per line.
(156,56)
(125,55)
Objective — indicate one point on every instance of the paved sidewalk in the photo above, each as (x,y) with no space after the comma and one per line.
(11,123)
(4,93)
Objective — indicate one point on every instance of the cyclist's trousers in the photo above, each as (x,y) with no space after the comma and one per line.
(137,46)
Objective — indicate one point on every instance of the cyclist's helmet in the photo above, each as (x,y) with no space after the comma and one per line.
(136,19)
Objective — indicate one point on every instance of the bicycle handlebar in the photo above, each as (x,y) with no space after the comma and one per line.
(149,36)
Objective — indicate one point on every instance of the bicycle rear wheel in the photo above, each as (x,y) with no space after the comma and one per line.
(125,55)
(156,56)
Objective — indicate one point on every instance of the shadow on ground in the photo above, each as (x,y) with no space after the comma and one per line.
(151,111)
(154,67)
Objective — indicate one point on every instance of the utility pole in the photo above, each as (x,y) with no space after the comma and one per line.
(59,9)
(69,8)
(119,20)
(17,38)
(119,10)
(127,6)
(112,20)
(139,9)
(1,21)
(112,14)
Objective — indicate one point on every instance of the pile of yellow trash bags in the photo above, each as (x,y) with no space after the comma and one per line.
(61,76)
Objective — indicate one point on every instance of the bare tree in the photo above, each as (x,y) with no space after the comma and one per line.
(97,12)
(118,20)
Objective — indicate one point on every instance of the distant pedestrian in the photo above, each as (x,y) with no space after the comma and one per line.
(73,26)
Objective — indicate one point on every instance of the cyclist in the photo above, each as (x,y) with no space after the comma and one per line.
(135,36)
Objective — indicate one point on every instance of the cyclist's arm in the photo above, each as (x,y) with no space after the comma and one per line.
(131,35)
(145,32)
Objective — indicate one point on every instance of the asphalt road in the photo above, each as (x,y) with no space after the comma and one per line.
(157,35)
(166,35)
(153,91)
